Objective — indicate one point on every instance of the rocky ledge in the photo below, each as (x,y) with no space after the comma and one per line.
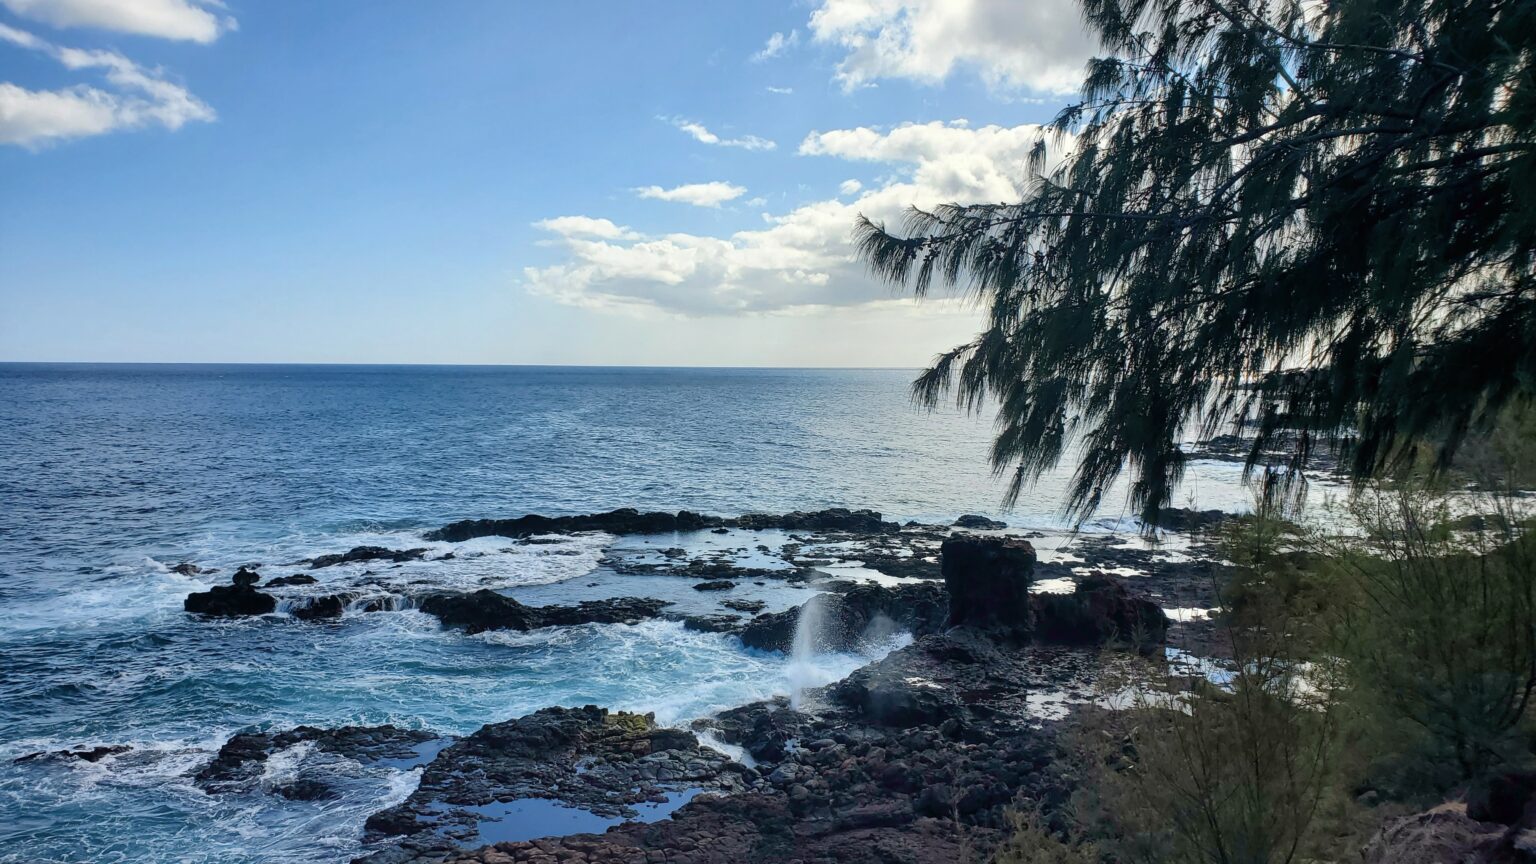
(484,610)
(606,764)
(630,521)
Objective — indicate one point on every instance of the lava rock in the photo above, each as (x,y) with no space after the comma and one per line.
(1187,520)
(845,620)
(715,585)
(83,754)
(1101,610)
(487,610)
(366,553)
(628,520)
(295,579)
(713,623)
(982,523)
(988,581)
(751,607)
(329,606)
(232,601)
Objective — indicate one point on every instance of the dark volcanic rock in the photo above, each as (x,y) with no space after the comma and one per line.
(626,520)
(847,619)
(630,521)
(988,581)
(713,623)
(980,523)
(752,607)
(585,757)
(329,606)
(1100,611)
(187,568)
(232,601)
(295,579)
(366,553)
(487,610)
(715,585)
(1185,520)
(241,760)
(83,754)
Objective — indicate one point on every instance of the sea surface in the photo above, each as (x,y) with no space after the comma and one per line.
(111,474)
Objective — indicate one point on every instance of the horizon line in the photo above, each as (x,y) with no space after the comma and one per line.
(445,365)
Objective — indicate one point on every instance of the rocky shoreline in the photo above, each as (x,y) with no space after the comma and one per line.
(917,757)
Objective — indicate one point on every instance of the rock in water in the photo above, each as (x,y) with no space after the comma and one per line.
(849,618)
(487,610)
(1099,611)
(232,601)
(982,523)
(988,581)
(367,553)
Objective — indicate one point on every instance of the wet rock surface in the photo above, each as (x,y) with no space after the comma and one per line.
(242,759)
(630,521)
(367,553)
(852,615)
(484,610)
(605,763)
(81,753)
(235,600)
(839,784)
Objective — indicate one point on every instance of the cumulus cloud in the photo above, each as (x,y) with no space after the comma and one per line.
(711,194)
(777,44)
(585,226)
(140,97)
(1034,45)
(188,20)
(699,132)
(849,187)
(801,260)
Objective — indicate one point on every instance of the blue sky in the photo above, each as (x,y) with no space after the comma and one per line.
(498,182)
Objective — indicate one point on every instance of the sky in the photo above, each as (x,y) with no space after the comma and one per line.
(500,181)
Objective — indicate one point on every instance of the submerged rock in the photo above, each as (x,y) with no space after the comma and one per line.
(232,601)
(988,581)
(487,610)
(242,759)
(715,585)
(752,607)
(81,753)
(366,553)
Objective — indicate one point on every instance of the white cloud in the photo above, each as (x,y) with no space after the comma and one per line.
(777,44)
(782,91)
(585,226)
(849,187)
(711,194)
(187,20)
(702,134)
(1035,45)
(802,260)
(142,97)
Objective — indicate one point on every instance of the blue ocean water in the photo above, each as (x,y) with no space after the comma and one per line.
(110,474)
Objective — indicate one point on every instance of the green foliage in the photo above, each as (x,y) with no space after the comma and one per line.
(1302,220)
(1437,629)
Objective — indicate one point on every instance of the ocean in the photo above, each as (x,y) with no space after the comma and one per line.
(112,474)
